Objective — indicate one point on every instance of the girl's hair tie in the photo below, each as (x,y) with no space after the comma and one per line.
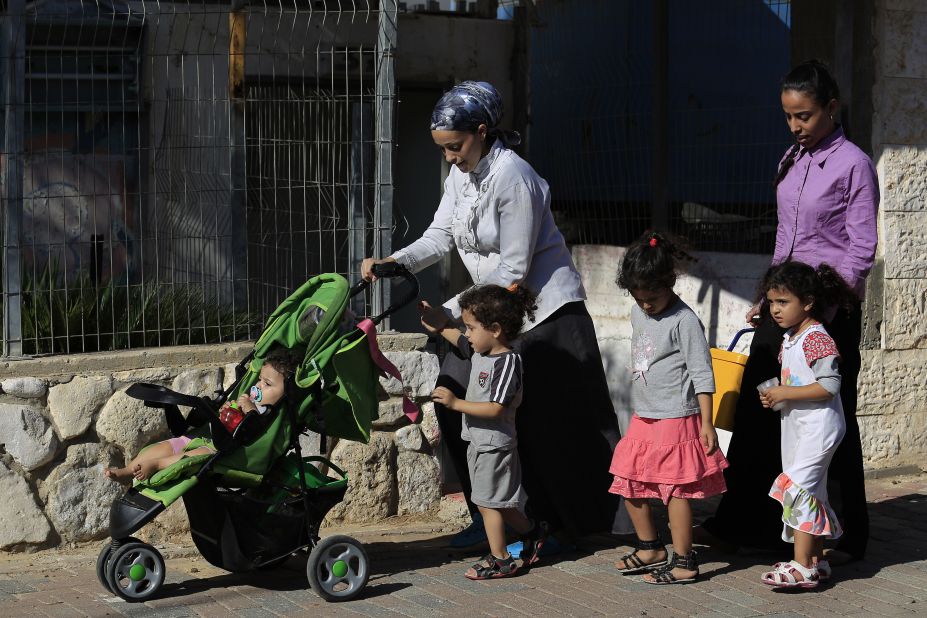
(512,288)
(653,242)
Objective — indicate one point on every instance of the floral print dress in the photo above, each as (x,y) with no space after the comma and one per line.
(811,432)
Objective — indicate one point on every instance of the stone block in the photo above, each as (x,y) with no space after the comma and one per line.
(901,111)
(903,172)
(393,341)
(127,423)
(904,243)
(892,382)
(73,405)
(419,372)
(390,414)
(27,435)
(905,325)
(418,479)
(905,46)
(409,438)
(894,440)
(371,468)
(156,375)
(429,425)
(199,382)
(453,510)
(22,522)
(79,496)
(27,388)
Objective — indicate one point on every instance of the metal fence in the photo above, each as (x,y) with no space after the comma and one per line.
(172,170)
(660,114)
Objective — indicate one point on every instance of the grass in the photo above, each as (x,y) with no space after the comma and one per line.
(67,316)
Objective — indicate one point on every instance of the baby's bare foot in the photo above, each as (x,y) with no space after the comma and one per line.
(118,474)
(145,469)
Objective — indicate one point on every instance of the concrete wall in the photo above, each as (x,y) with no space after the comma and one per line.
(720,288)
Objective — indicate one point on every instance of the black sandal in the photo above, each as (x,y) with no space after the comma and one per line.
(633,564)
(664,575)
(491,567)
(532,542)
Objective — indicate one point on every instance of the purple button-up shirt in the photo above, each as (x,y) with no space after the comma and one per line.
(827,206)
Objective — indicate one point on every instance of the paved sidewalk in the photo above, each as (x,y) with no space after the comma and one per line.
(414,574)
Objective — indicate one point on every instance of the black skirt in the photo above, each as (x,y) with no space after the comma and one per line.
(567,427)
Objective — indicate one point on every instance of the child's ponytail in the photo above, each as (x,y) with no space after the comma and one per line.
(822,286)
(834,290)
(652,262)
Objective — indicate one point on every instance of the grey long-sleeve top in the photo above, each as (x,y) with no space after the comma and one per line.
(671,362)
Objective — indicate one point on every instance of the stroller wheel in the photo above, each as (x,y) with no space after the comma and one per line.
(338,568)
(105,553)
(135,571)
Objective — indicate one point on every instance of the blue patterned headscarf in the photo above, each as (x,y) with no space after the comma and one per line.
(468,105)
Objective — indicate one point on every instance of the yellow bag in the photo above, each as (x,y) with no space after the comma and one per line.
(728,368)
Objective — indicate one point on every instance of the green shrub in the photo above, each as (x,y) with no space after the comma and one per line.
(61,316)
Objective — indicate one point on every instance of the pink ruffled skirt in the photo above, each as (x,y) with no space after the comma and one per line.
(664,458)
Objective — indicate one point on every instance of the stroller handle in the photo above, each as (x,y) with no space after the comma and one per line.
(389,270)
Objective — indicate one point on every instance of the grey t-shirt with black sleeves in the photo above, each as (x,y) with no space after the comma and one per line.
(496,378)
(671,362)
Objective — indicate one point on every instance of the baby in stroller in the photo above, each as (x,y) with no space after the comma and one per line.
(280,364)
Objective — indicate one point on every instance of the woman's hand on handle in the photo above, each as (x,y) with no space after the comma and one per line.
(367,267)
(753,314)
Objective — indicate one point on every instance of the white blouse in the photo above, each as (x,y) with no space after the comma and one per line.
(498,216)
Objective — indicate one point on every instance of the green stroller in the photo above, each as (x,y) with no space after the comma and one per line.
(257,499)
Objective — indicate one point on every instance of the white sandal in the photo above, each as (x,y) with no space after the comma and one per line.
(823,567)
(784,576)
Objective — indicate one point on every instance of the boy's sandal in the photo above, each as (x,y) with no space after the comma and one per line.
(785,576)
(664,575)
(533,542)
(632,562)
(491,567)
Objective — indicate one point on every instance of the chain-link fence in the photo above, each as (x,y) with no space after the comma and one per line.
(171,170)
(660,114)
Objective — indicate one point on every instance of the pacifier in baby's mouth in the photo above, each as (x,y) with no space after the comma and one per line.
(256,396)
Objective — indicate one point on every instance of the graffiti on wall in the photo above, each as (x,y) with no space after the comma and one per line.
(79,214)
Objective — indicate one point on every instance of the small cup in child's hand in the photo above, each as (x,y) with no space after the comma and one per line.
(768,384)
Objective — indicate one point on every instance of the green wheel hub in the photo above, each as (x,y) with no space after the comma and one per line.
(340,568)
(137,572)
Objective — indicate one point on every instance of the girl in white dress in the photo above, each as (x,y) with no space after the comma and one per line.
(800,298)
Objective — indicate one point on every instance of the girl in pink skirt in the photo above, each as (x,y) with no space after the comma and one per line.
(670,450)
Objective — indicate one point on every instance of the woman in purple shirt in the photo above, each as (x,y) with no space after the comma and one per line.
(828,198)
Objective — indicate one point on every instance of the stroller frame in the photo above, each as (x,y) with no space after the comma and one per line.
(338,567)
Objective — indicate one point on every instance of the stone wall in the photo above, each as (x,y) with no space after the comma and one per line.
(893,383)
(64,419)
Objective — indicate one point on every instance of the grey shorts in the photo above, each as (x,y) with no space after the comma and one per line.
(495,479)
